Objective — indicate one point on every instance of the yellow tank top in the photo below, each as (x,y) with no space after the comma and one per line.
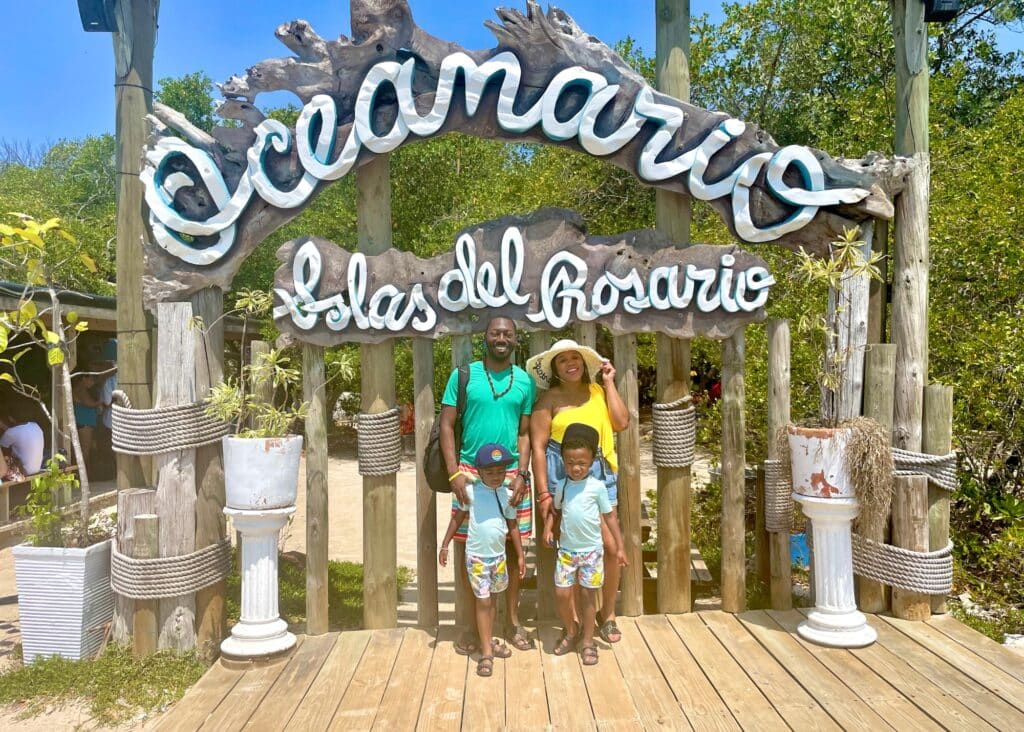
(593,412)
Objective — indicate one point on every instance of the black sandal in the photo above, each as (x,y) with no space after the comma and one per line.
(588,655)
(606,628)
(485,666)
(565,643)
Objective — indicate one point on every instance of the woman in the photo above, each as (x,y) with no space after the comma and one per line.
(87,410)
(578,385)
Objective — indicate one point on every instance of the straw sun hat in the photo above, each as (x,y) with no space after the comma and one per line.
(541,366)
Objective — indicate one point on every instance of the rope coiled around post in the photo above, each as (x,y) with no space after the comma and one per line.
(153,579)
(940,469)
(675,433)
(778,498)
(930,573)
(379,443)
(163,429)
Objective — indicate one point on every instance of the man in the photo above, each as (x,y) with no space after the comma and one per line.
(499,400)
(25,440)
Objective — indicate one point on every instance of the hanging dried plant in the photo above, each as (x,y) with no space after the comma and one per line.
(869,463)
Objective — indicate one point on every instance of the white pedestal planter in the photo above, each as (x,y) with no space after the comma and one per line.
(835,620)
(260,631)
(817,462)
(261,472)
(64,599)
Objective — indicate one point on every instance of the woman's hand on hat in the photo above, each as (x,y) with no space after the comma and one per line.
(607,371)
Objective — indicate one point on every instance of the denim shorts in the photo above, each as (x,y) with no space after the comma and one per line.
(599,469)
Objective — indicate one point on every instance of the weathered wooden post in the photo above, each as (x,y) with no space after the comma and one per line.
(426,499)
(540,341)
(176,482)
(937,439)
(380,507)
(630,498)
(879,372)
(734,587)
(130,503)
(910,284)
(314,391)
(672,211)
(780,564)
(133,84)
(462,354)
(210,525)
(144,618)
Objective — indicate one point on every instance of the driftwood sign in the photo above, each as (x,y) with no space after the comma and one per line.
(213,198)
(543,271)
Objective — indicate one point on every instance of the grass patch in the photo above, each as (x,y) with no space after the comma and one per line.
(344,592)
(115,685)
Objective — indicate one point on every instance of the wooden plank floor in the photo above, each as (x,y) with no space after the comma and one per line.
(710,670)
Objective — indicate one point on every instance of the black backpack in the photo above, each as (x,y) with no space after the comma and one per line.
(434,468)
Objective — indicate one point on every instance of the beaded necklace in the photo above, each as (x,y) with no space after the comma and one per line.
(498,395)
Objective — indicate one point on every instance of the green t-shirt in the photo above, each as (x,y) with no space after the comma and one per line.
(488,419)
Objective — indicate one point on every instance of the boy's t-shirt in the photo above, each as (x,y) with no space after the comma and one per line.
(488,419)
(489,512)
(582,502)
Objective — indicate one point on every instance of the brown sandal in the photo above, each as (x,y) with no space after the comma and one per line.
(466,645)
(485,666)
(565,642)
(608,630)
(588,654)
(499,649)
(520,639)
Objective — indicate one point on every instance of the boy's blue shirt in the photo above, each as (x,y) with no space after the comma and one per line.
(582,502)
(488,524)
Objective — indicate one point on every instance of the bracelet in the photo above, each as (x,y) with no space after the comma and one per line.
(546,495)
(454,475)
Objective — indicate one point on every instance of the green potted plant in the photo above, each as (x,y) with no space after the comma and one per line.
(261,460)
(833,459)
(63,569)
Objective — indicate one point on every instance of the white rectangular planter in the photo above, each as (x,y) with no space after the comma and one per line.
(64,599)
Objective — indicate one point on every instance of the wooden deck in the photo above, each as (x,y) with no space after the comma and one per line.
(709,670)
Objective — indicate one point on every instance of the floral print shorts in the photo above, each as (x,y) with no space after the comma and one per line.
(487,574)
(587,568)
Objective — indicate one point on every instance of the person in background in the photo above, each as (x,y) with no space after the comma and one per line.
(25,442)
(87,410)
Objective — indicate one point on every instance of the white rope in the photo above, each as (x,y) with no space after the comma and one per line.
(161,430)
(940,469)
(778,498)
(930,573)
(379,443)
(152,579)
(675,433)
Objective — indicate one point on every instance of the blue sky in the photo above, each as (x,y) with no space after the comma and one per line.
(58,79)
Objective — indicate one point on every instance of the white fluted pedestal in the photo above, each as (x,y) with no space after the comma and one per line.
(260,631)
(835,620)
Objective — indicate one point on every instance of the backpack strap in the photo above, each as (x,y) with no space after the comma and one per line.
(460,403)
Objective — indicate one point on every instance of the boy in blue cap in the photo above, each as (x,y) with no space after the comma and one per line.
(492,519)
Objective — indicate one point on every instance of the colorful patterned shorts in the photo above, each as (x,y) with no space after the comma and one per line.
(487,574)
(587,568)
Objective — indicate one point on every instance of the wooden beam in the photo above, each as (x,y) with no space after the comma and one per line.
(910,531)
(176,484)
(314,391)
(210,524)
(380,506)
(937,439)
(734,586)
(462,354)
(879,375)
(540,341)
(630,498)
(426,499)
(878,291)
(780,565)
(133,81)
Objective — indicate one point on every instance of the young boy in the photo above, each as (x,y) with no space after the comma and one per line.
(581,506)
(491,519)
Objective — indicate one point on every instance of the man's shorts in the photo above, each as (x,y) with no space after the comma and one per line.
(587,568)
(487,574)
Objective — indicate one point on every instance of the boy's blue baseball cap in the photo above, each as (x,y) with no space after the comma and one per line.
(493,454)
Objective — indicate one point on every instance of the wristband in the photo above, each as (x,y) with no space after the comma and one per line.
(454,475)
(546,495)
(524,474)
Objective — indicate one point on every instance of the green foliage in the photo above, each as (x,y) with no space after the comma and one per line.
(192,95)
(344,591)
(116,685)
(46,503)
